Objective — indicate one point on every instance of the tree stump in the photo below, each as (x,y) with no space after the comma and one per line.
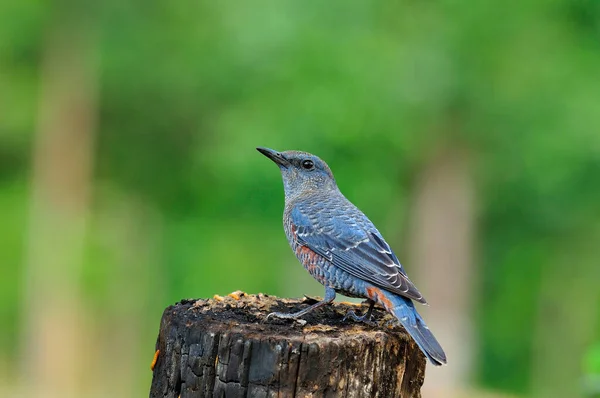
(225,347)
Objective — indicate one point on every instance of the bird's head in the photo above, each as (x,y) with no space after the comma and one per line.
(301,171)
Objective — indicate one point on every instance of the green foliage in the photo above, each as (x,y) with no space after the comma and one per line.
(592,360)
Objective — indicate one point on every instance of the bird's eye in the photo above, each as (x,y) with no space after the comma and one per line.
(308,164)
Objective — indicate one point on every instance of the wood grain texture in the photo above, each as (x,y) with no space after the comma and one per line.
(225,347)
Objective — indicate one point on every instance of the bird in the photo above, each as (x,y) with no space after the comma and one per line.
(343,250)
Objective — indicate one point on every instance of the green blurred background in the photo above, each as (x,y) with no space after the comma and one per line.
(467,131)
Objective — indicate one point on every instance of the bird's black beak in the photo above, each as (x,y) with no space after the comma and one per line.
(274,156)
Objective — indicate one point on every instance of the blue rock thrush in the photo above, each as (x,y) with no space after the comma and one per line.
(341,248)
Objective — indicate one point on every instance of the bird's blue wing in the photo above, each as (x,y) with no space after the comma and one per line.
(354,246)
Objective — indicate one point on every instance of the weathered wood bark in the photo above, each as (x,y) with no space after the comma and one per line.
(225,347)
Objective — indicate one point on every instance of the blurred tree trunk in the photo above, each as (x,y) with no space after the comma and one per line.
(62,161)
(130,229)
(442,245)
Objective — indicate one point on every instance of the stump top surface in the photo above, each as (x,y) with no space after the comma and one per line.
(248,313)
(226,346)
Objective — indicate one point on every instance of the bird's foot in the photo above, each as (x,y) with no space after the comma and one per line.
(329,297)
(283,315)
(366,318)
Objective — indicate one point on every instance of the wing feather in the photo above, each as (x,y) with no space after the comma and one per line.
(356,247)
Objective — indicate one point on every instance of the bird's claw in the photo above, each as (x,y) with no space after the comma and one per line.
(271,315)
(366,318)
(280,315)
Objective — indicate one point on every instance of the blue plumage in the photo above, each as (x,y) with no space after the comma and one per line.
(341,233)
(342,249)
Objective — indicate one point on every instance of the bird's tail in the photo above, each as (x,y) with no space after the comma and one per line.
(404,309)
